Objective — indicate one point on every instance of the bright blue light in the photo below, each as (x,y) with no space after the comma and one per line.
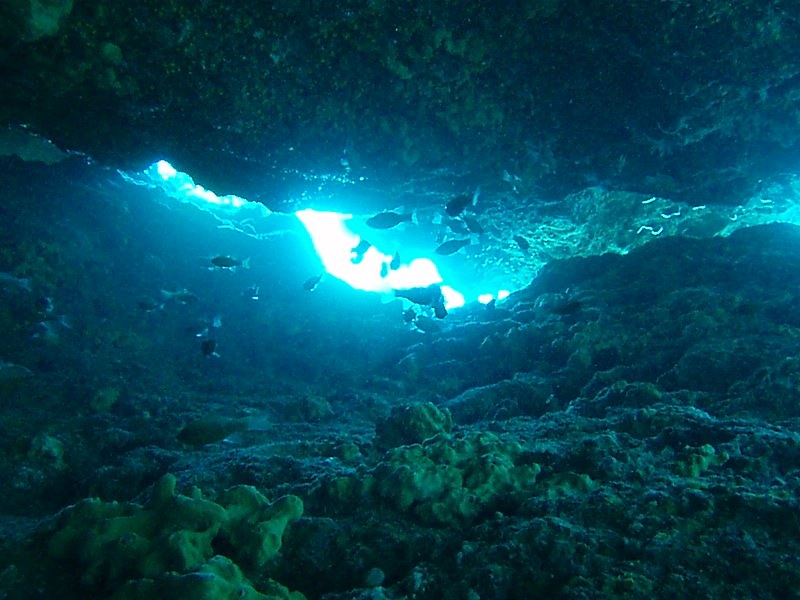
(452,298)
(182,187)
(165,170)
(332,234)
(486,298)
(334,243)
(186,185)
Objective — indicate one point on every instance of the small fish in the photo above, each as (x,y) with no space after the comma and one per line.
(389,219)
(409,315)
(211,429)
(395,264)
(183,296)
(384,269)
(49,322)
(457,205)
(522,242)
(214,428)
(10,372)
(253,292)
(8,280)
(451,247)
(311,283)
(358,251)
(50,327)
(230,263)
(472,224)
(209,348)
(45,305)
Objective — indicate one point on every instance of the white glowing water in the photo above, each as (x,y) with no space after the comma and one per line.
(330,233)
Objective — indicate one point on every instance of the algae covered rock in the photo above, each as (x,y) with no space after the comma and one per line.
(412,424)
(218,579)
(254,528)
(169,543)
(116,541)
(450,480)
(446,480)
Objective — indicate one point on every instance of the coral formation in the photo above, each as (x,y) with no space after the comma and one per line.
(171,544)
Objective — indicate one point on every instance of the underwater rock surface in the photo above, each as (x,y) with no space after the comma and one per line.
(695,101)
(626,425)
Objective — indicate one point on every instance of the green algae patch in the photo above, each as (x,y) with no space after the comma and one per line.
(412,424)
(172,544)
(450,481)
(254,529)
(218,579)
(697,461)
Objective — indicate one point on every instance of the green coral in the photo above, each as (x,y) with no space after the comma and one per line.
(170,543)
(218,579)
(255,527)
(447,480)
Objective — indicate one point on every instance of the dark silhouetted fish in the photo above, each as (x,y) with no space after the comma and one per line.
(358,251)
(209,348)
(457,205)
(12,372)
(211,429)
(395,264)
(522,242)
(228,262)
(451,247)
(311,283)
(472,224)
(389,219)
